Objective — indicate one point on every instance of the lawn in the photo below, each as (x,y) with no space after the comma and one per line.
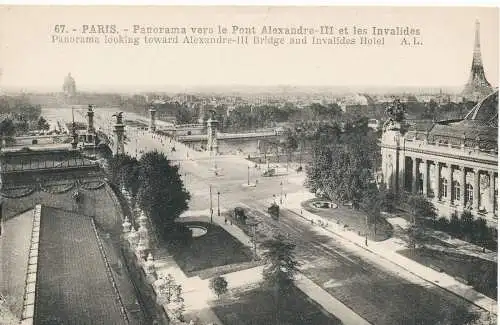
(256,306)
(216,248)
(353,219)
(481,274)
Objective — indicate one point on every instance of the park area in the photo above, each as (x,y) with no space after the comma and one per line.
(479,273)
(255,306)
(351,219)
(214,249)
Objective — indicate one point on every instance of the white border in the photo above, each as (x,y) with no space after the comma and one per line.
(400,3)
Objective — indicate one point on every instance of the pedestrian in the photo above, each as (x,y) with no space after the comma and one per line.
(231,222)
(225,221)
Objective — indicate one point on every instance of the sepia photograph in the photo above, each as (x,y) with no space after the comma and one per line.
(248,165)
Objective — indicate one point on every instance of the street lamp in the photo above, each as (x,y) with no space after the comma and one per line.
(281,194)
(254,237)
(211,209)
(218,206)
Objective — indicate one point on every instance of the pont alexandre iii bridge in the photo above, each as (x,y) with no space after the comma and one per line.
(231,142)
(207,137)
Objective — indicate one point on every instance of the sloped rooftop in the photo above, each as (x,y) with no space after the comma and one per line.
(73,285)
(486,111)
(14,251)
(478,127)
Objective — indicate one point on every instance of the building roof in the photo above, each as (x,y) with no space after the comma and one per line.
(478,128)
(486,111)
(74,282)
(14,250)
(73,274)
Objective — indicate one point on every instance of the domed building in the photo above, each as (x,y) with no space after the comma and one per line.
(69,86)
(454,163)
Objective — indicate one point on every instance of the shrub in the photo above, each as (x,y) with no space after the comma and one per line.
(467,224)
(454,224)
(388,200)
(218,285)
(442,224)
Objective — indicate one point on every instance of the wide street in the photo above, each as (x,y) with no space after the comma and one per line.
(376,291)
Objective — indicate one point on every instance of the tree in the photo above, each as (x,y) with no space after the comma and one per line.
(42,124)
(290,145)
(420,208)
(370,205)
(124,171)
(388,198)
(467,224)
(345,157)
(7,129)
(430,110)
(482,232)
(280,269)
(455,224)
(396,110)
(218,285)
(162,194)
(416,234)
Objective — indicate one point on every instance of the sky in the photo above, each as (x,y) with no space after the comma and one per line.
(29,58)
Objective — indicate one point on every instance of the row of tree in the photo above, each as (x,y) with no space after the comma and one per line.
(18,116)
(156,186)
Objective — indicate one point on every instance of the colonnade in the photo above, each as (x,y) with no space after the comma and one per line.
(457,185)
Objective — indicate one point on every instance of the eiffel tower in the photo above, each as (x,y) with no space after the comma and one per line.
(477,86)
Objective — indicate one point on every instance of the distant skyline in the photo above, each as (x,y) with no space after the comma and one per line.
(29,60)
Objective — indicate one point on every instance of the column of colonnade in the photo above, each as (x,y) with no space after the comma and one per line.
(450,184)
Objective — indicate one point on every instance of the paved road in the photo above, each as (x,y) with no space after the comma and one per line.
(374,292)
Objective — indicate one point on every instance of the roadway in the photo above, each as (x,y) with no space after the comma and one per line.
(375,291)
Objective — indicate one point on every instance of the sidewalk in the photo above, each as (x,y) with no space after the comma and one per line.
(346,315)
(387,251)
(196,293)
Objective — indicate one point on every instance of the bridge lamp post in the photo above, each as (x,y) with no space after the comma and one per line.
(218,205)
(211,209)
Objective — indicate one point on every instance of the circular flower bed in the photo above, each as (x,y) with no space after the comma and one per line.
(198,231)
(323,205)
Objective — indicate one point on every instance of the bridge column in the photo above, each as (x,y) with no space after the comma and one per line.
(212,135)
(90,120)
(119,130)
(152,119)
